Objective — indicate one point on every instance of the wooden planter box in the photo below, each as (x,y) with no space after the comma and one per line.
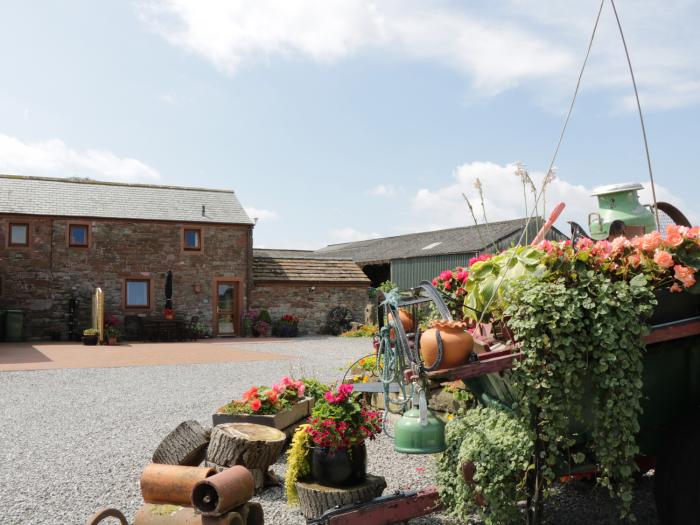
(281,420)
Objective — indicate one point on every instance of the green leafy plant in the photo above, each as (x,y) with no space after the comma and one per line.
(314,388)
(499,446)
(581,336)
(264,315)
(387,286)
(90,332)
(298,463)
(490,278)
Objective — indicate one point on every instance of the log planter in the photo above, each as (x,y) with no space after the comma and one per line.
(281,420)
(315,499)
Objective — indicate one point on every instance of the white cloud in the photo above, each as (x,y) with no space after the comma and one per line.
(168,98)
(498,45)
(383,190)
(54,158)
(341,235)
(228,34)
(503,198)
(261,213)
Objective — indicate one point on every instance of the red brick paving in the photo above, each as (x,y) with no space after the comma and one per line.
(44,356)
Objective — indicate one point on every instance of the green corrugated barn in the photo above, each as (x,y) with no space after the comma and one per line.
(409,259)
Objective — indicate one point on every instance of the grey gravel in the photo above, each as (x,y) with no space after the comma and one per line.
(75,440)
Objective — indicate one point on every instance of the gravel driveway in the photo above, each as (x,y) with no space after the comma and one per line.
(77,439)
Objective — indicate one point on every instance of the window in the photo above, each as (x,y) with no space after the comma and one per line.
(192,239)
(19,234)
(78,235)
(138,293)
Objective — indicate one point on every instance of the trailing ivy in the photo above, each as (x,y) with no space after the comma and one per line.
(500,447)
(581,336)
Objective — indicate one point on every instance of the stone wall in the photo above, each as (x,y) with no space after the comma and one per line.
(43,277)
(311,306)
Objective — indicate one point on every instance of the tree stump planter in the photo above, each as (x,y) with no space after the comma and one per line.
(281,420)
(315,499)
(247,444)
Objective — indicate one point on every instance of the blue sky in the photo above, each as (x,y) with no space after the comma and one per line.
(340,120)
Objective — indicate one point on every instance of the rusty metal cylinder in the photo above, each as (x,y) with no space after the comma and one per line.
(223,492)
(150,514)
(171,484)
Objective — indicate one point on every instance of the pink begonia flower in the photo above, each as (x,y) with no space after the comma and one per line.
(301,389)
(619,244)
(685,274)
(693,232)
(448,285)
(435,283)
(663,258)
(286,381)
(446,275)
(651,241)
(675,288)
(584,243)
(634,260)
(674,236)
(546,246)
(636,242)
(602,248)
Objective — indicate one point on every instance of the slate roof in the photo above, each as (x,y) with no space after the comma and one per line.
(424,244)
(284,254)
(88,198)
(290,269)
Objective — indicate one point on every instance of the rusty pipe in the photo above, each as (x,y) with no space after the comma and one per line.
(171,484)
(223,492)
(150,514)
(106,512)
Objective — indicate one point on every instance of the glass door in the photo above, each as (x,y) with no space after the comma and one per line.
(226,307)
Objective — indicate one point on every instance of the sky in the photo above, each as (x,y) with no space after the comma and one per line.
(341,120)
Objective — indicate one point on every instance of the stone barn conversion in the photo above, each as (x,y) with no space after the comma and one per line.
(294,281)
(61,238)
(409,259)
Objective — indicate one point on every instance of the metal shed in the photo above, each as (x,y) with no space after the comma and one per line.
(408,259)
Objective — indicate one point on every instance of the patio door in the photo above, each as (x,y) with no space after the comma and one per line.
(226,307)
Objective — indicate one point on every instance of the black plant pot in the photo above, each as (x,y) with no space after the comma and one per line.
(339,468)
(90,340)
(674,306)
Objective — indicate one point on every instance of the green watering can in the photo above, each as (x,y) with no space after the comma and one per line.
(620,202)
(418,431)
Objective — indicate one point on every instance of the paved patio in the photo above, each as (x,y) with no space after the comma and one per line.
(52,355)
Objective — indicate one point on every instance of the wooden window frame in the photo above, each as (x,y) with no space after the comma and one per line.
(149,293)
(25,244)
(88,237)
(183,242)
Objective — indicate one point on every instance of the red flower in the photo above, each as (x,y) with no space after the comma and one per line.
(255,405)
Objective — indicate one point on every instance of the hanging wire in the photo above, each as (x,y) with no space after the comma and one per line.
(641,118)
(551,164)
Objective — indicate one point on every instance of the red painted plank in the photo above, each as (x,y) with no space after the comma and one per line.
(480,368)
(669,333)
(393,511)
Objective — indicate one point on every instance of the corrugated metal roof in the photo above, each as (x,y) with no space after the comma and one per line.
(88,198)
(425,244)
(307,270)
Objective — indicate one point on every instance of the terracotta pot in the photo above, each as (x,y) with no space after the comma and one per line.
(457,344)
(407,322)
